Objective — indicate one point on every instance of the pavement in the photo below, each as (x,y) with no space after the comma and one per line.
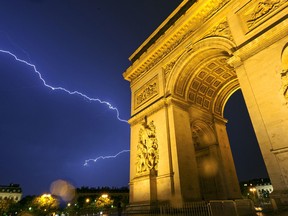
(284,213)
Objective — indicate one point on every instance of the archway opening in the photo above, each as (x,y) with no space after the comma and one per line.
(247,156)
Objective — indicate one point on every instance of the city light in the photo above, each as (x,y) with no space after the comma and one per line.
(104,195)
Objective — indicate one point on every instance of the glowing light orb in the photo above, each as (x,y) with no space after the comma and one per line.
(63,189)
(209,167)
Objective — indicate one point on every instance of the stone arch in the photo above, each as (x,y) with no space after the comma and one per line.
(208,163)
(204,81)
(190,58)
(202,77)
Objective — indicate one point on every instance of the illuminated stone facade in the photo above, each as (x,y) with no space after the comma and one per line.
(181,78)
(11,192)
(147,149)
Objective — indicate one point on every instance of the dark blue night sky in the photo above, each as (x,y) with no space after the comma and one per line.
(47,135)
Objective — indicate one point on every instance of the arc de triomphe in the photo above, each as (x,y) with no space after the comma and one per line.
(181,78)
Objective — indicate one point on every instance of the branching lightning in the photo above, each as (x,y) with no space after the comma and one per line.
(72,93)
(64,89)
(105,157)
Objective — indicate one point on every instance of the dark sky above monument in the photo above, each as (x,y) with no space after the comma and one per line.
(83,46)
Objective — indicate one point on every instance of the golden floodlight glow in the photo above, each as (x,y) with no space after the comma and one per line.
(209,167)
(104,195)
(63,189)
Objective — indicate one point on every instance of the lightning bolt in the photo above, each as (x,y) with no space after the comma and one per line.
(105,157)
(64,89)
(72,93)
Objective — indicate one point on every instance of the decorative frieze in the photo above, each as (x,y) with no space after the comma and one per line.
(220,29)
(256,12)
(263,41)
(147,91)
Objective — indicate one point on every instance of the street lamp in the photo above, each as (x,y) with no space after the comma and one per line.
(253,190)
(104,195)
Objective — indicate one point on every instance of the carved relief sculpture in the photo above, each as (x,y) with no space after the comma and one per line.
(147,149)
(221,29)
(284,72)
(262,9)
(284,87)
(147,92)
(195,137)
(167,69)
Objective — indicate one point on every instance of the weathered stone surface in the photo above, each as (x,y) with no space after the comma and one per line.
(180,85)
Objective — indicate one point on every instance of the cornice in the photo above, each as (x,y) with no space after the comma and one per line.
(169,21)
(183,27)
(155,107)
(279,150)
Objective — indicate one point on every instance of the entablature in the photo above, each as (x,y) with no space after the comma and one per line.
(198,14)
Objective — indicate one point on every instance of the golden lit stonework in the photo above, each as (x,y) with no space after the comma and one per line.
(148,91)
(183,75)
(147,149)
(284,72)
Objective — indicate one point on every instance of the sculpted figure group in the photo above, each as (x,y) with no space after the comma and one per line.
(147,149)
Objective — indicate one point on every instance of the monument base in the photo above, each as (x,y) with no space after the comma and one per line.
(216,207)
(279,200)
(143,208)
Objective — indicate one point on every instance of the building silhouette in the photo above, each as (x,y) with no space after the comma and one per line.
(12,192)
